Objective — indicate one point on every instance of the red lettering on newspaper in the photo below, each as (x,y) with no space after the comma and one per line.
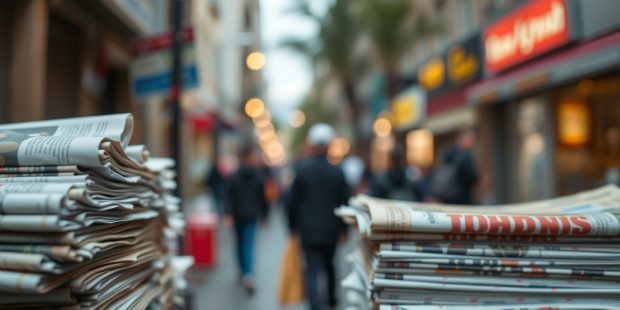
(520,224)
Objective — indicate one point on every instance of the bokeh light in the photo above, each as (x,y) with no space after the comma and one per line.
(256,60)
(254,108)
(297,118)
(382,127)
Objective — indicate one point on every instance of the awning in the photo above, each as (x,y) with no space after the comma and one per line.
(576,62)
(462,117)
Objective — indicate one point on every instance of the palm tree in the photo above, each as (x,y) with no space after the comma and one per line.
(393,27)
(335,45)
(316,112)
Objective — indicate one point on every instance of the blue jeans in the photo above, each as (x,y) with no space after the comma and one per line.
(245,231)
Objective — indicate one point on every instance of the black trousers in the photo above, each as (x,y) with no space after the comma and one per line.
(320,260)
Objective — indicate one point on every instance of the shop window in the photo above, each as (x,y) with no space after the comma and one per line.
(533,172)
(381,147)
(420,148)
(573,122)
(588,130)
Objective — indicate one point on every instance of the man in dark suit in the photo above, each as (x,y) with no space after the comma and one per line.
(319,187)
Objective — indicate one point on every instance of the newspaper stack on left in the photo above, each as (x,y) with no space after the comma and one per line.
(85,219)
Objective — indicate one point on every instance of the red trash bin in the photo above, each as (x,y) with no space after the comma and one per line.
(201,240)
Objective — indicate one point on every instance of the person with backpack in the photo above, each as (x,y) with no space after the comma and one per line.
(396,183)
(454,180)
(246,203)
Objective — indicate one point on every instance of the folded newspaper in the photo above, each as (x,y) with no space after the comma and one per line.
(86,220)
(561,253)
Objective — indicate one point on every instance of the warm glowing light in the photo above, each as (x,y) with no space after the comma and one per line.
(276,161)
(263,121)
(267,137)
(297,119)
(420,147)
(573,122)
(254,107)
(382,127)
(274,149)
(255,61)
(339,147)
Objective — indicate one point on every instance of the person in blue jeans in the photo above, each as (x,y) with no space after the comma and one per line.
(246,203)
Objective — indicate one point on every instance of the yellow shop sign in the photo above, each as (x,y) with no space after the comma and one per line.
(461,66)
(431,75)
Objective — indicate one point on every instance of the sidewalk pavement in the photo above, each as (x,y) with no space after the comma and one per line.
(218,288)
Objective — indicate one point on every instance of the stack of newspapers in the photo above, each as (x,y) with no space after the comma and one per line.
(561,253)
(85,219)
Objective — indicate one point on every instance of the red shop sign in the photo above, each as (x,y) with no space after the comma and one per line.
(535,28)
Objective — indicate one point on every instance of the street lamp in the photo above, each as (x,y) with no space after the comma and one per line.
(382,127)
(254,107)
(255,60)
(297,118)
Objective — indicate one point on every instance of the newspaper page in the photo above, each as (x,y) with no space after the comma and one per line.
(555,305)
(555,217)
(380,219)
(63,253)
(28,262)
(604,198)
(23,150)
(138,152)
(506,250)
(430,258)
(406,219)
(379,236)
(36,223)
(497,270)
(60,297)
(611,290)
(116,127)
(499,281)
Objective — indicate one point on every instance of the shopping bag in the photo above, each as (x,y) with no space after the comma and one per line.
(291,287)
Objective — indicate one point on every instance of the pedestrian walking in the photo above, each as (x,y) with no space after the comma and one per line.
(454,180)
(215,184)
(396,183)
(246,203)
(318,188)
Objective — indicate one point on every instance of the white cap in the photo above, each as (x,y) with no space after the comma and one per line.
(320,135)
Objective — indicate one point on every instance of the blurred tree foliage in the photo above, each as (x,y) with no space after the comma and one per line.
(335,46)
(393,27)
(316,111)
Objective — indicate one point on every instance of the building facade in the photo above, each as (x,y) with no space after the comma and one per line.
(69,58)
(549,99)
(538,87)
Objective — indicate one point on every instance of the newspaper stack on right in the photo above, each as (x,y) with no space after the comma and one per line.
(562,253)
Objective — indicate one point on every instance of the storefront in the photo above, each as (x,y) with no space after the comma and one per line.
(550,99)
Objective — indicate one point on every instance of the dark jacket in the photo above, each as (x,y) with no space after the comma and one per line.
(394,183)
(318,189)
(245,195)
(467,176)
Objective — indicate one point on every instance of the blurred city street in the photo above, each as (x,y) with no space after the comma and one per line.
(210,131)
(218,287)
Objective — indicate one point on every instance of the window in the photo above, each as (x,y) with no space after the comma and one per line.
(467,21)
